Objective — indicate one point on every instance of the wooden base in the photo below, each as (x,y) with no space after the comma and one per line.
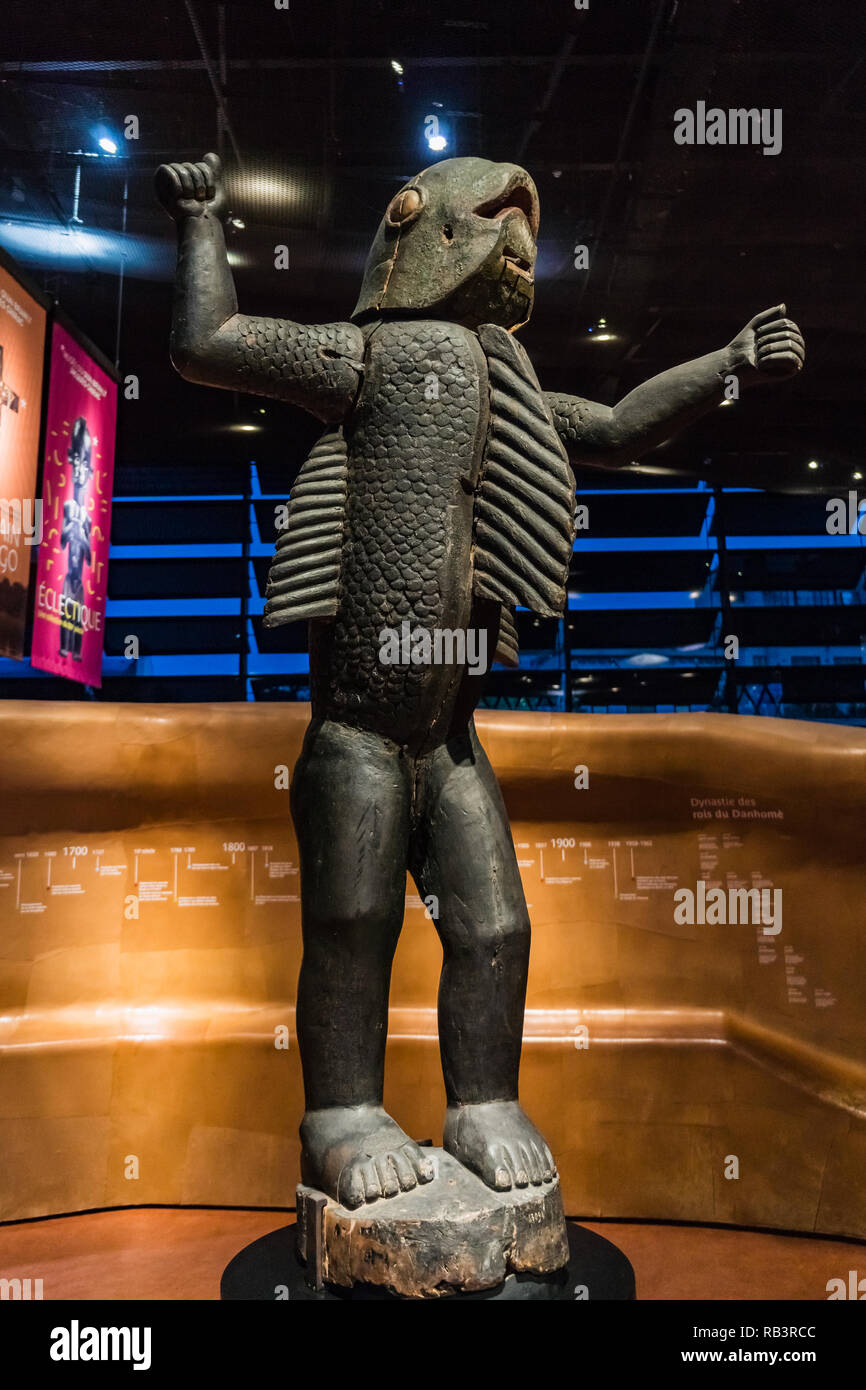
(269,1269)
(450,1235)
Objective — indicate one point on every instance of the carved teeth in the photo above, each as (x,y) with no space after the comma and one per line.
(520,266)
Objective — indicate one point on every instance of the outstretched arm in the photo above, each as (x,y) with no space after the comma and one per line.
(316,366)
(769,348)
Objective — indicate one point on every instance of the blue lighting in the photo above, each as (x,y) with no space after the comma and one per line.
(105,138)
(50,246)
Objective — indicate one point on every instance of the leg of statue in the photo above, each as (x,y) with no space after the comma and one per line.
(350,803)
(463,854)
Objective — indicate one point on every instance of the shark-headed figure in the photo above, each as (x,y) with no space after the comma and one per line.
(440,496)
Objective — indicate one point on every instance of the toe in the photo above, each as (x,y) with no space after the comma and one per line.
(537,1161)
(505,1177)
(495,1171)
(371,1181)
(544,1162)
(403,1169)
(387,1176)
(420,1162)
(425,1166)
(530,1162)
(515,1163)
(351,1188)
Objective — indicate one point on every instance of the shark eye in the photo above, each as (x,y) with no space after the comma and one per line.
(404,207)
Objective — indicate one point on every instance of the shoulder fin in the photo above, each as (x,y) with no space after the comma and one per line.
(304,578)
(523,529)
(507,643)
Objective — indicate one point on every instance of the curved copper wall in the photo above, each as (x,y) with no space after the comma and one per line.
(149,945)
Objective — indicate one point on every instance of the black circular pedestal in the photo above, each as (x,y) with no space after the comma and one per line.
(270,1269)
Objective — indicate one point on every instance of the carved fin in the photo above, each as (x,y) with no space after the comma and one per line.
(523,528)
(507,643)
(304,578)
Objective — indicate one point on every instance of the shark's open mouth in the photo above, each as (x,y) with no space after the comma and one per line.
(517,195)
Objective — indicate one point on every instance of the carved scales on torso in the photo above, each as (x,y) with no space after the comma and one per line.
(523,515)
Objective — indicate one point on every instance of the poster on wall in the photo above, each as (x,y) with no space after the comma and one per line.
(22,350)
(77,481)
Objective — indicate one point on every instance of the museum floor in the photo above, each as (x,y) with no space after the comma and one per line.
(171,1253)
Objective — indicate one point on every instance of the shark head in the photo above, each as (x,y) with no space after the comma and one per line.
(458,241)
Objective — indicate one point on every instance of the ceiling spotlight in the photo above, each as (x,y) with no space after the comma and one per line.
(104,138)
(396,67)
(813,463)
(696,593)
(725,402)
(239,223)
(433,132)
(856,477)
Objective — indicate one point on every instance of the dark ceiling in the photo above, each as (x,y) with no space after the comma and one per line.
(686,243)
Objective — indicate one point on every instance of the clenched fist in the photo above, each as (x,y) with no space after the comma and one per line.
(189,190)
(771,345)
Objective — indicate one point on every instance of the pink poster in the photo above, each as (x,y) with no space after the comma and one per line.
(22,340)
(72,577)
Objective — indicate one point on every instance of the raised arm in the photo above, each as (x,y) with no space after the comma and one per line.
(315,366)
(769,348)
